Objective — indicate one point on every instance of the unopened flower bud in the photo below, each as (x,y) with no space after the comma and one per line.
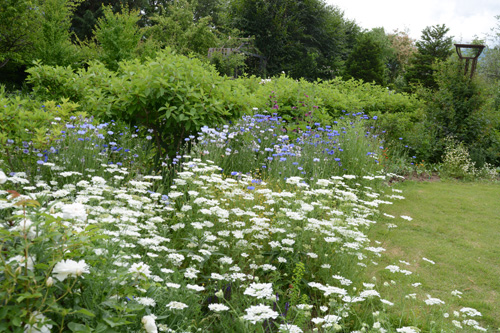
(49,282)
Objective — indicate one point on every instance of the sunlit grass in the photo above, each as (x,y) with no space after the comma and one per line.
(456,225)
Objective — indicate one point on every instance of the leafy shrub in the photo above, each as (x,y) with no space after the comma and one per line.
(118,36)
(461,108)
(175,28)
(457,163)
(28,125)
(333,96)
(173,95)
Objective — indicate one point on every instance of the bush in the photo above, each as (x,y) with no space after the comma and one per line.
(461,108)
(29,126)
(457,163)
(331,97)
(173,95)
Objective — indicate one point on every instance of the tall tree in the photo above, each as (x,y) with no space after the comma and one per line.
(366,61)
(89,11)
(305,38)
(404,49)
(433,47)
(18,26)
(176,28)
(117,35)
(53,44)
(489,65)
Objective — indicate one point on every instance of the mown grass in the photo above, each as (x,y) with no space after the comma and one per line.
(456,225)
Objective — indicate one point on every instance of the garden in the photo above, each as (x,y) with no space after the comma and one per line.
(113,223)
(145,188)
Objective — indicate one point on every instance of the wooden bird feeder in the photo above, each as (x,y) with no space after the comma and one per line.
(472,51)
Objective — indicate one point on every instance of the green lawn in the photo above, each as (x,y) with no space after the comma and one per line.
(456,225)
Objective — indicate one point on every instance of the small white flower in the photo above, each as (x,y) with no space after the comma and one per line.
(406,330)
(37,324)
(216,307)
(433,301)
(146,301)
(428,260)
(259,290)
(140,270)
(259,313)
(176,305)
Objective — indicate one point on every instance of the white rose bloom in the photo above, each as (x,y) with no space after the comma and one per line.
(75,211)
(21,261)
(36,324)
(3,177)
(65,268)
(149,324)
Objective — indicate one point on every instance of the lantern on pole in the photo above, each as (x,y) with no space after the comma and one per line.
(472,52)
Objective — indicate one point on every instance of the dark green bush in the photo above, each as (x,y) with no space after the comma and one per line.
(462,108)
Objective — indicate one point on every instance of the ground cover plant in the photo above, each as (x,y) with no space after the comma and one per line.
(100,242)
(449,246)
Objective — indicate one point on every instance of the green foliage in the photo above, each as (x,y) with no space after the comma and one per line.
(490,58)
(330,97)
(118,36)
(295,36)
(462,108)
(88,12)
(175,28)
(366,61)
(33,242)
(19,24)
(171,94)
(433,47)
(27,125)
(53,45)
(458,164)
(229,65)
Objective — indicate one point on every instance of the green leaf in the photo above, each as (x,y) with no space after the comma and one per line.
(116,321)
(86,312)
(28,296)
(75,327)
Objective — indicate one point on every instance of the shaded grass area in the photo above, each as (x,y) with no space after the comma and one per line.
(457,226)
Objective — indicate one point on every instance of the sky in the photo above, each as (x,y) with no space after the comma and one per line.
(464,18)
